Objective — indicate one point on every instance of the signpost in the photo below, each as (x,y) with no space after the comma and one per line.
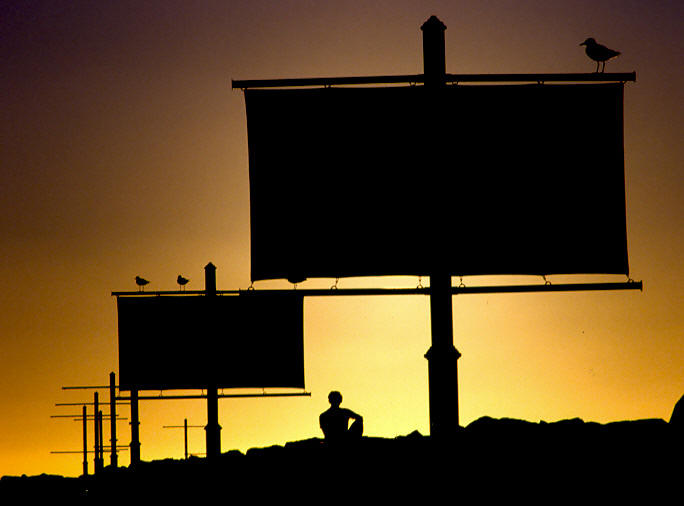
(515,230)
(574,242)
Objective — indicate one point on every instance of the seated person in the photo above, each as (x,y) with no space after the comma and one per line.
(335,421)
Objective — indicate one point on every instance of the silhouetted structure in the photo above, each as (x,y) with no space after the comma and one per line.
(335,422)
(519,215)
(677,418)
(599,53)
(515,458)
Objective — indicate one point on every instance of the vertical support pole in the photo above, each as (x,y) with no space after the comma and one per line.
(442,356)
(213,429)
(185,433)
(113,457)
(96,434)
(101,442)
(135,429)
(85,440)
(210,279)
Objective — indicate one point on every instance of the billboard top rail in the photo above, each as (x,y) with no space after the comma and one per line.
(455,290)
(448,79)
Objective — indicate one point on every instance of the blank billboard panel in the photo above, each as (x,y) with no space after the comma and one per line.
(472,180)
(189,342)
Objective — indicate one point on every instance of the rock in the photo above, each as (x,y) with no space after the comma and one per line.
(677,418)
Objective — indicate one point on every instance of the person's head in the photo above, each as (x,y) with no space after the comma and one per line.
(335,398)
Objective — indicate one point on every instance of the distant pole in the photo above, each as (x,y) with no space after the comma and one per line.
(442,356)
(185,433)
(114,458)
(135,429)
(101,442)
(85,441)
(96,433)
(213,429)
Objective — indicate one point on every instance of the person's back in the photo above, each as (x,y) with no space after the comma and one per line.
(334,421)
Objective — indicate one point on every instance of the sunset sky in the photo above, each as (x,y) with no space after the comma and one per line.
(123,152)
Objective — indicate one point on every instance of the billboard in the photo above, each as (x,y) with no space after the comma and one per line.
(190,342)
(470,180)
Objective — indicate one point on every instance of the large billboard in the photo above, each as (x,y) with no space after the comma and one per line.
(470,180)
(190,342)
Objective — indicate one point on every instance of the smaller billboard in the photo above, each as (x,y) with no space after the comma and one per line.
(192,342)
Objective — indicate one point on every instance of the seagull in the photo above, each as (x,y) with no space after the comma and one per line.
(141,282)
(598,53)
(182,281)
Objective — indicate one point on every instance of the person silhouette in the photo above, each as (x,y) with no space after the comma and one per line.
(335,421)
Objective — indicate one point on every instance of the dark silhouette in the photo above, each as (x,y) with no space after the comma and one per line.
(598,53)
(335,421)
(677,418)
(614,460)
(141,282)
(182,281)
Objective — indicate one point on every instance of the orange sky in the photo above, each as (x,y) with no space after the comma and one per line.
(123,151)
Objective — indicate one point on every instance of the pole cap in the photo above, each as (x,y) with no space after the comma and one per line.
(433,23)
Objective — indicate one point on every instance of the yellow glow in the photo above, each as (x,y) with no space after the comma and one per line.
(124,152)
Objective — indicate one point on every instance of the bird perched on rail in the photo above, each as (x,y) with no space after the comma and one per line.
(182,281)
(141,282)
(599,53)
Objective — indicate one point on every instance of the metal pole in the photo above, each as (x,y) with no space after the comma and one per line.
(113,457)
(185,430)
(442,356)
(213,429)
(101,442)
(96,434)
(85,441)
(135,429)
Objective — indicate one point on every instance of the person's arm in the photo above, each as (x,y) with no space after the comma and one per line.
(354,416)
(324,425)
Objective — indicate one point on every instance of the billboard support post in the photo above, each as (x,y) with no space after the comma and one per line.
(98,464)
(113,456)
(442,356)
(85,440)
(213,429)
(135,429)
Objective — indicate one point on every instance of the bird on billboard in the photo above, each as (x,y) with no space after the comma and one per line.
(599,53)
(182,281)
(141,282)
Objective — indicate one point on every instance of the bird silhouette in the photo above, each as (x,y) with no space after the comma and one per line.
(182,281)
(599,53)
(141,282)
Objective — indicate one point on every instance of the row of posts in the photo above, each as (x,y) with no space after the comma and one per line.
(98,431)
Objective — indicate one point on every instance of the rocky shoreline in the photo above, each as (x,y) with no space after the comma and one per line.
(488,454)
